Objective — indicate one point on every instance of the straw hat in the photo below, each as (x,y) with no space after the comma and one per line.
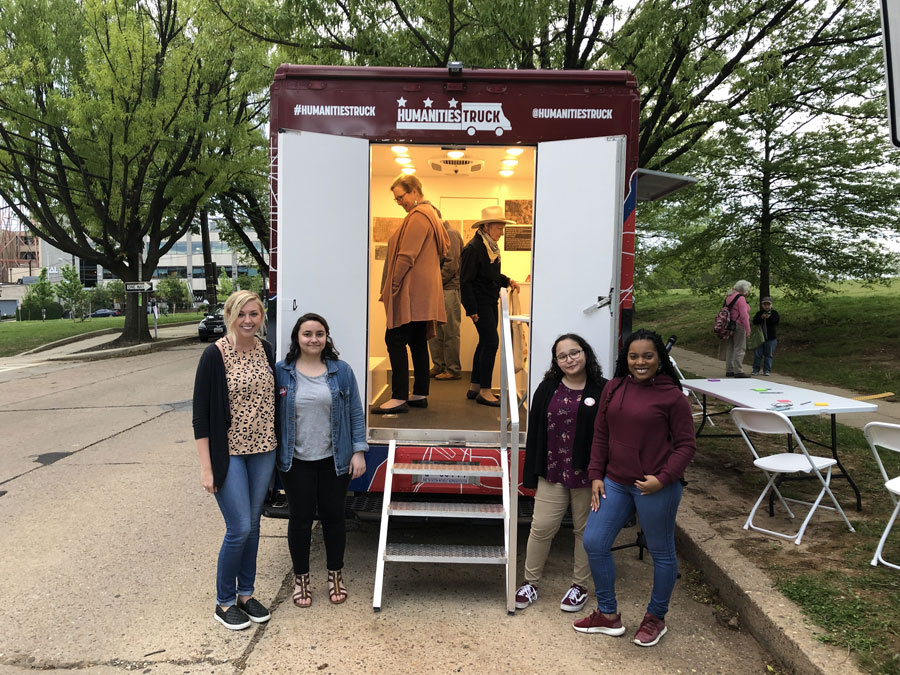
(492,214)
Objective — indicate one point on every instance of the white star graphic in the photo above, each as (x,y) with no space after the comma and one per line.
(428,102)
(401,102)
(452,102)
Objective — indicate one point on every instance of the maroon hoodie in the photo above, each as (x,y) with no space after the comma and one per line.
(646,428)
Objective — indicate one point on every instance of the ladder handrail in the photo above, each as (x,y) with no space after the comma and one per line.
(382,534)
(509,442)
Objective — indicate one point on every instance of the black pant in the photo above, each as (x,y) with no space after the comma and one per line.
(309,485)
(488,341)
(413,334)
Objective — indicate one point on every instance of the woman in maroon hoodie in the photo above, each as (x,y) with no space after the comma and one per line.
(643,440)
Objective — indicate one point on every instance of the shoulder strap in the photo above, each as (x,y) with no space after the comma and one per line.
(731,304)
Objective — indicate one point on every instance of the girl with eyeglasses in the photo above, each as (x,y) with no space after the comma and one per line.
(413,294)
(643,441)
(557,451)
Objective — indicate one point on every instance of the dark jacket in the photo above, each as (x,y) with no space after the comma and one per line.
(480,280)
(450,264)
(536,440)
(212,415)
(768,325)
(645,428)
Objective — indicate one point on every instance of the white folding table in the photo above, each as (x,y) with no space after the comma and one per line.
(764,394)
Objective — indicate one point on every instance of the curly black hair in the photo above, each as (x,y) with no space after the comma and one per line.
(665,364)
(591,366)
(329,352)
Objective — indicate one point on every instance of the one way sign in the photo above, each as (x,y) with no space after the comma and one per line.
(138,286)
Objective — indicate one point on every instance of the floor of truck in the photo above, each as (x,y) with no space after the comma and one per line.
(448,408)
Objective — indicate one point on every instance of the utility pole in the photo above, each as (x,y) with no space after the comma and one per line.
(209,268)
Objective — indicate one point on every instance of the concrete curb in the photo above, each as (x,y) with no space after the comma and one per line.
(771,618)
(69,340)
(133,350)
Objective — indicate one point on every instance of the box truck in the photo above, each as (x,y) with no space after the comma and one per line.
(556,149)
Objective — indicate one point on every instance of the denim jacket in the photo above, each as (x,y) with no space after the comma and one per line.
(348,420)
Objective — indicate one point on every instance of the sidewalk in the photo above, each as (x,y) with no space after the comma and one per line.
(89,348)
(698,365)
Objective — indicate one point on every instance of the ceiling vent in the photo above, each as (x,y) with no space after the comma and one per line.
(456,167)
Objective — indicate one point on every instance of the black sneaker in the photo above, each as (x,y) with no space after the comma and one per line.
(232,618)
(254,610)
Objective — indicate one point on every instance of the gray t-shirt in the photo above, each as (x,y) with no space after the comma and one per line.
(312,411)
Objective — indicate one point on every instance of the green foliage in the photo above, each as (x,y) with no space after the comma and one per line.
(117,119)
(100,297)
(116,290)
(39,295)
(248,283)
(224,286)
(175,292)
(71,293)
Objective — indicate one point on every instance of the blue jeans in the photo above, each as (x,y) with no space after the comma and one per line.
(657,513)
(240,501)
(767,350)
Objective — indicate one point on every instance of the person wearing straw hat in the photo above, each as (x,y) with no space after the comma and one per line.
(480,282)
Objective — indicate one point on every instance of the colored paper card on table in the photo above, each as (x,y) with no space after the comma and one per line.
(820,404)
(760,389)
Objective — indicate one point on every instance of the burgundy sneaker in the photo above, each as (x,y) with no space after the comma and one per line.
(652,628)
(526,595)
(597,623)
(574,599)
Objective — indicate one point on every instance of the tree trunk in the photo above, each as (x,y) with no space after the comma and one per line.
(136,328)
(765,220)
(209,269)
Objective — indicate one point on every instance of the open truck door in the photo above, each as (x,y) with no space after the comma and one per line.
(323,207)
(578,216)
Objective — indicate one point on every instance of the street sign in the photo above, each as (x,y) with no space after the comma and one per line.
(138,286)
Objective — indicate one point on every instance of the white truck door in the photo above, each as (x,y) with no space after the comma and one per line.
(323,216)
(578,211)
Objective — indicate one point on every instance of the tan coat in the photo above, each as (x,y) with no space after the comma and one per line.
(412,288)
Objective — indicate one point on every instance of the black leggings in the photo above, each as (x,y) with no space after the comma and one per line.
(488,341)
(413,334)
(309,485)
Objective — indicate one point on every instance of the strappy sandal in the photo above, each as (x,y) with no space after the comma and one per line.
(302,597)
(337,592)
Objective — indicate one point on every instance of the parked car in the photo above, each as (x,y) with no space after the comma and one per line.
(212,326)
(98,313)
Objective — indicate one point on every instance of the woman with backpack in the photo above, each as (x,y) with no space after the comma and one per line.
(736,345)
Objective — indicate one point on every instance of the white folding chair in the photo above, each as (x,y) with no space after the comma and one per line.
(881,434)
(772,422)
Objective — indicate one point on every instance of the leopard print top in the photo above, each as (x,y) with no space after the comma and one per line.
(251,398)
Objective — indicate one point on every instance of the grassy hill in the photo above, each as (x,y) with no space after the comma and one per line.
(848,339)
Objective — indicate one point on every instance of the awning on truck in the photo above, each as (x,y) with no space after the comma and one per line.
(654,185)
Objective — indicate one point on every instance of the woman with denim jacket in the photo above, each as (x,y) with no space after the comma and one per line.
(321,447)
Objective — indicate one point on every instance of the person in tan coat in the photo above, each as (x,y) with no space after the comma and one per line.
(412,293)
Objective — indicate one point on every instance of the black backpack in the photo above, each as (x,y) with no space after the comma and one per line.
(723,326)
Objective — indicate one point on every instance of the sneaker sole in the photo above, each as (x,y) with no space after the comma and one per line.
(231,626)
(572,608)
(259,619)
(614,632)
(650,644)
(524,605)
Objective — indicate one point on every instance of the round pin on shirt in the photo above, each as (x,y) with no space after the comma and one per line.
(589,401)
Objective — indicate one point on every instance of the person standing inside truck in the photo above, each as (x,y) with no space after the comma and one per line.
(234,426)
(444,346)
(412,294)
(321,448)
(643,441)
(480,281)
(557,451)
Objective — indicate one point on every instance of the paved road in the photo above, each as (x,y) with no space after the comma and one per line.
(108,546)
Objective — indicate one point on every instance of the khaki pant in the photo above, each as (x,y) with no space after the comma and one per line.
(550,503)
(735,350)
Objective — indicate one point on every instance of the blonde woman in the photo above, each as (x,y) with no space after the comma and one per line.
(234,425)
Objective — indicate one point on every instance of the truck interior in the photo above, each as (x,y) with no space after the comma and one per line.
(460,181)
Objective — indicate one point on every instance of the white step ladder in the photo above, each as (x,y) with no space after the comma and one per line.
(442,553)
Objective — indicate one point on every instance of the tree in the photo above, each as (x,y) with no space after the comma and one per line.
(40,298)
(798,188)
(247,283)
(174,291)
(686,55)
(116,289)
(71,293)
(117,119)
(226,286)
(100,297)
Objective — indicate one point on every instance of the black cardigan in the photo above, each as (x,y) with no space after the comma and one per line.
(479,278)
(212,416)
(536,440)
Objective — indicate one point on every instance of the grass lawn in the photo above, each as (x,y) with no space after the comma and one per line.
(20,336)
(846,340)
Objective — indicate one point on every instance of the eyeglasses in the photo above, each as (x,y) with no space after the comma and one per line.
(400,198)
(574,354)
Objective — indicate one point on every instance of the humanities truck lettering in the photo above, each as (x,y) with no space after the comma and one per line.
(458,116)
